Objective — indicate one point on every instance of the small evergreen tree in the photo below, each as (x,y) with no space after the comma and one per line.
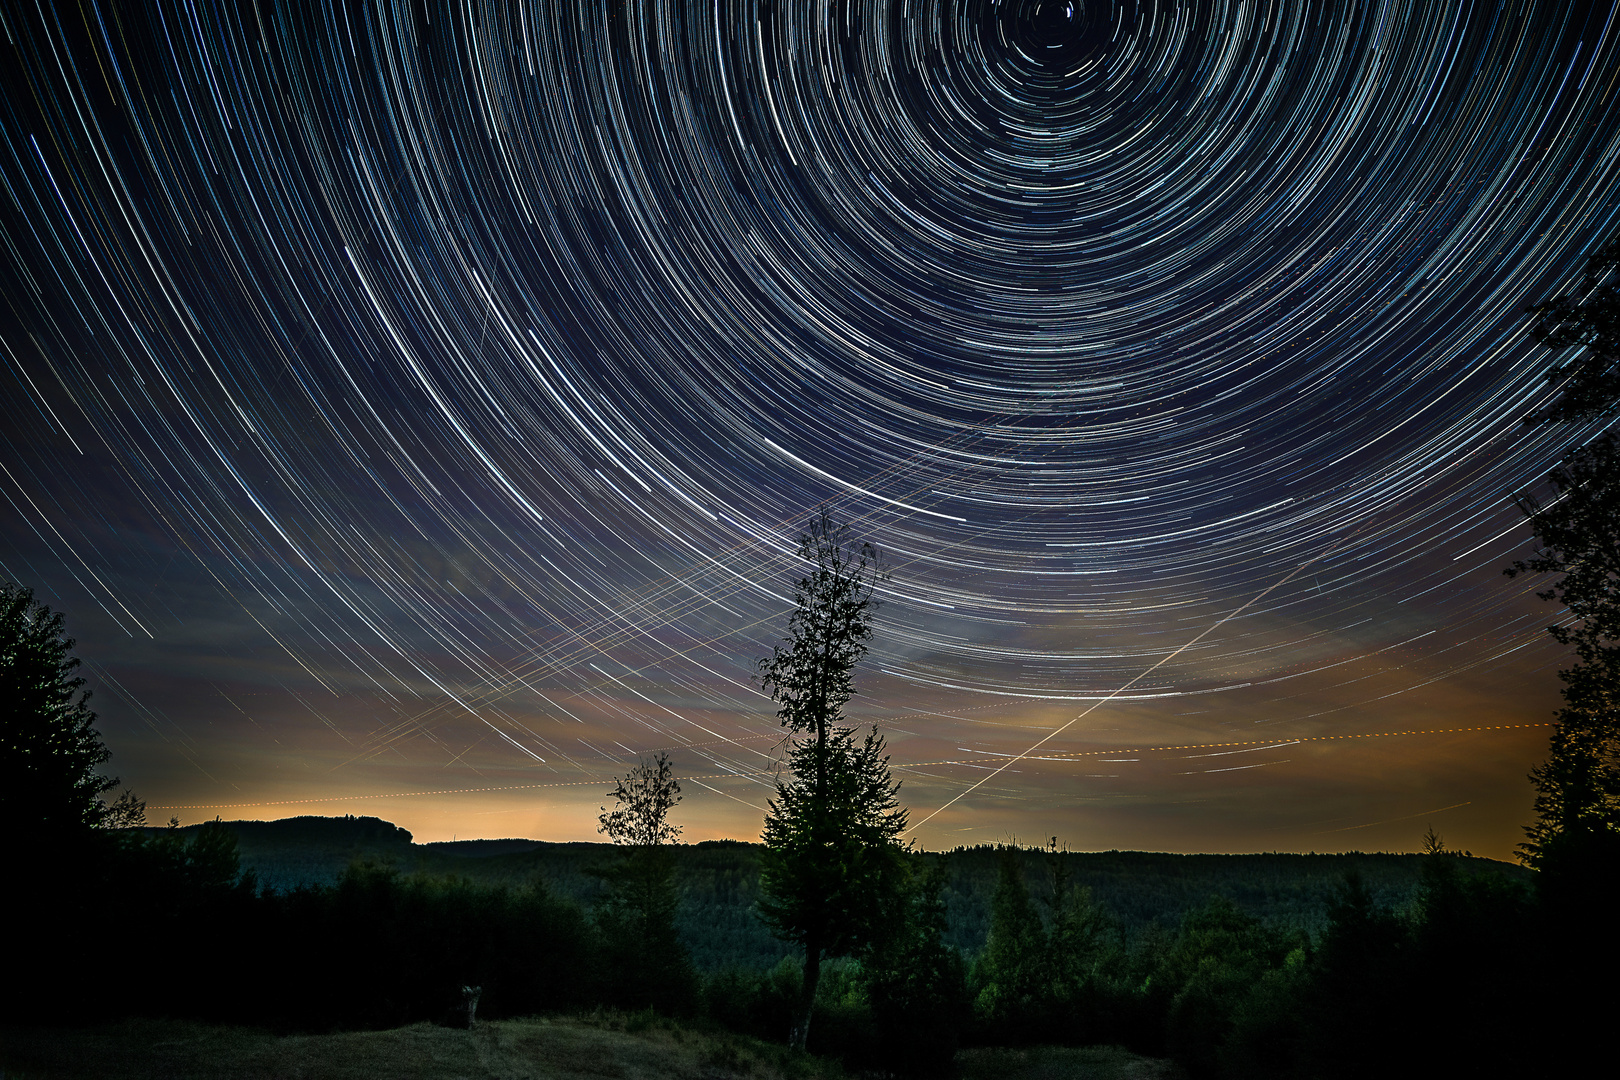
(1076,945)
(917,985)
(1012,973)
(1362,981)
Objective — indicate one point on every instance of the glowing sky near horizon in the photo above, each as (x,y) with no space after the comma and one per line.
(413,408)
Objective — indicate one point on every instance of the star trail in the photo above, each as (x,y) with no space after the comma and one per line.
(420,403)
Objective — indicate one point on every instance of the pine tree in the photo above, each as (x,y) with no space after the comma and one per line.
(1578,534)
(1075,943)
(916,984)
(1574,841)
(59,895)
(1576,834)
(50,751)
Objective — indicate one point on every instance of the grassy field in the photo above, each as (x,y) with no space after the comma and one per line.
(538,1049)
(1061,1063)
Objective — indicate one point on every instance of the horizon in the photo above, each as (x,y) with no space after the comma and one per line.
(414,416)
(1014,843)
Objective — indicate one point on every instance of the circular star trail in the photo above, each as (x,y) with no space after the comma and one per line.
(478,365)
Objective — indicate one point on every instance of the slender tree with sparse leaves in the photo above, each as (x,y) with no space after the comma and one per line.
(648,966)
(832,870)
(642,801)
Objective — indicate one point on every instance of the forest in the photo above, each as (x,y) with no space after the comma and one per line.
(1281,966)
(717,881)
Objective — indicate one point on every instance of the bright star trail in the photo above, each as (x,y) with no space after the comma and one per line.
(413,409)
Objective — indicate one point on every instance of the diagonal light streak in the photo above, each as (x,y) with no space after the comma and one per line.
(1222,621)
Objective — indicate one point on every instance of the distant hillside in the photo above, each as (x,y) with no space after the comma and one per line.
(718,879)
(312,850)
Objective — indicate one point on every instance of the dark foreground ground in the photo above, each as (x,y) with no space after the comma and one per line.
(591,1048)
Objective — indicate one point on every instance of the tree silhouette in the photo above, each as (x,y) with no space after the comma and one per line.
(642,802)
(1575,840)
(831,873)
(50,751)
(1578,537)
(648,964)
(62,893)
(1578,534)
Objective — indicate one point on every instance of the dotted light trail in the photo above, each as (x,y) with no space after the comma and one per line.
(1065,756)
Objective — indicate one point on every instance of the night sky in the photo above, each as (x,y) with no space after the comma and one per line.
(414,411)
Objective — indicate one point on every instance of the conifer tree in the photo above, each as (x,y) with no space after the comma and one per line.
(832,867)
(1013,971)
(916,984)
(1578,537)
(50,751)
(1575,840)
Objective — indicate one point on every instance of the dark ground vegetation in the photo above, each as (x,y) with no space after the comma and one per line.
(165,923)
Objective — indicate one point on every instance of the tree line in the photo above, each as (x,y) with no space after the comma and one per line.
(164,924)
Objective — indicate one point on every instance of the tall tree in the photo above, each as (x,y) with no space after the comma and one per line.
(1013,972)
(1575,839)
(50,751)
(60,886)
(1578,534)
(1578,537)
(832,869)
(1076,940)
(647,963)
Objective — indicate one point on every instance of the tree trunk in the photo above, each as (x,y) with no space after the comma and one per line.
(807,997)
(800,1032)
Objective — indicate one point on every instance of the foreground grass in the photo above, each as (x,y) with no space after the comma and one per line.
(535,1049)
(576,1048)
(1061,1063)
